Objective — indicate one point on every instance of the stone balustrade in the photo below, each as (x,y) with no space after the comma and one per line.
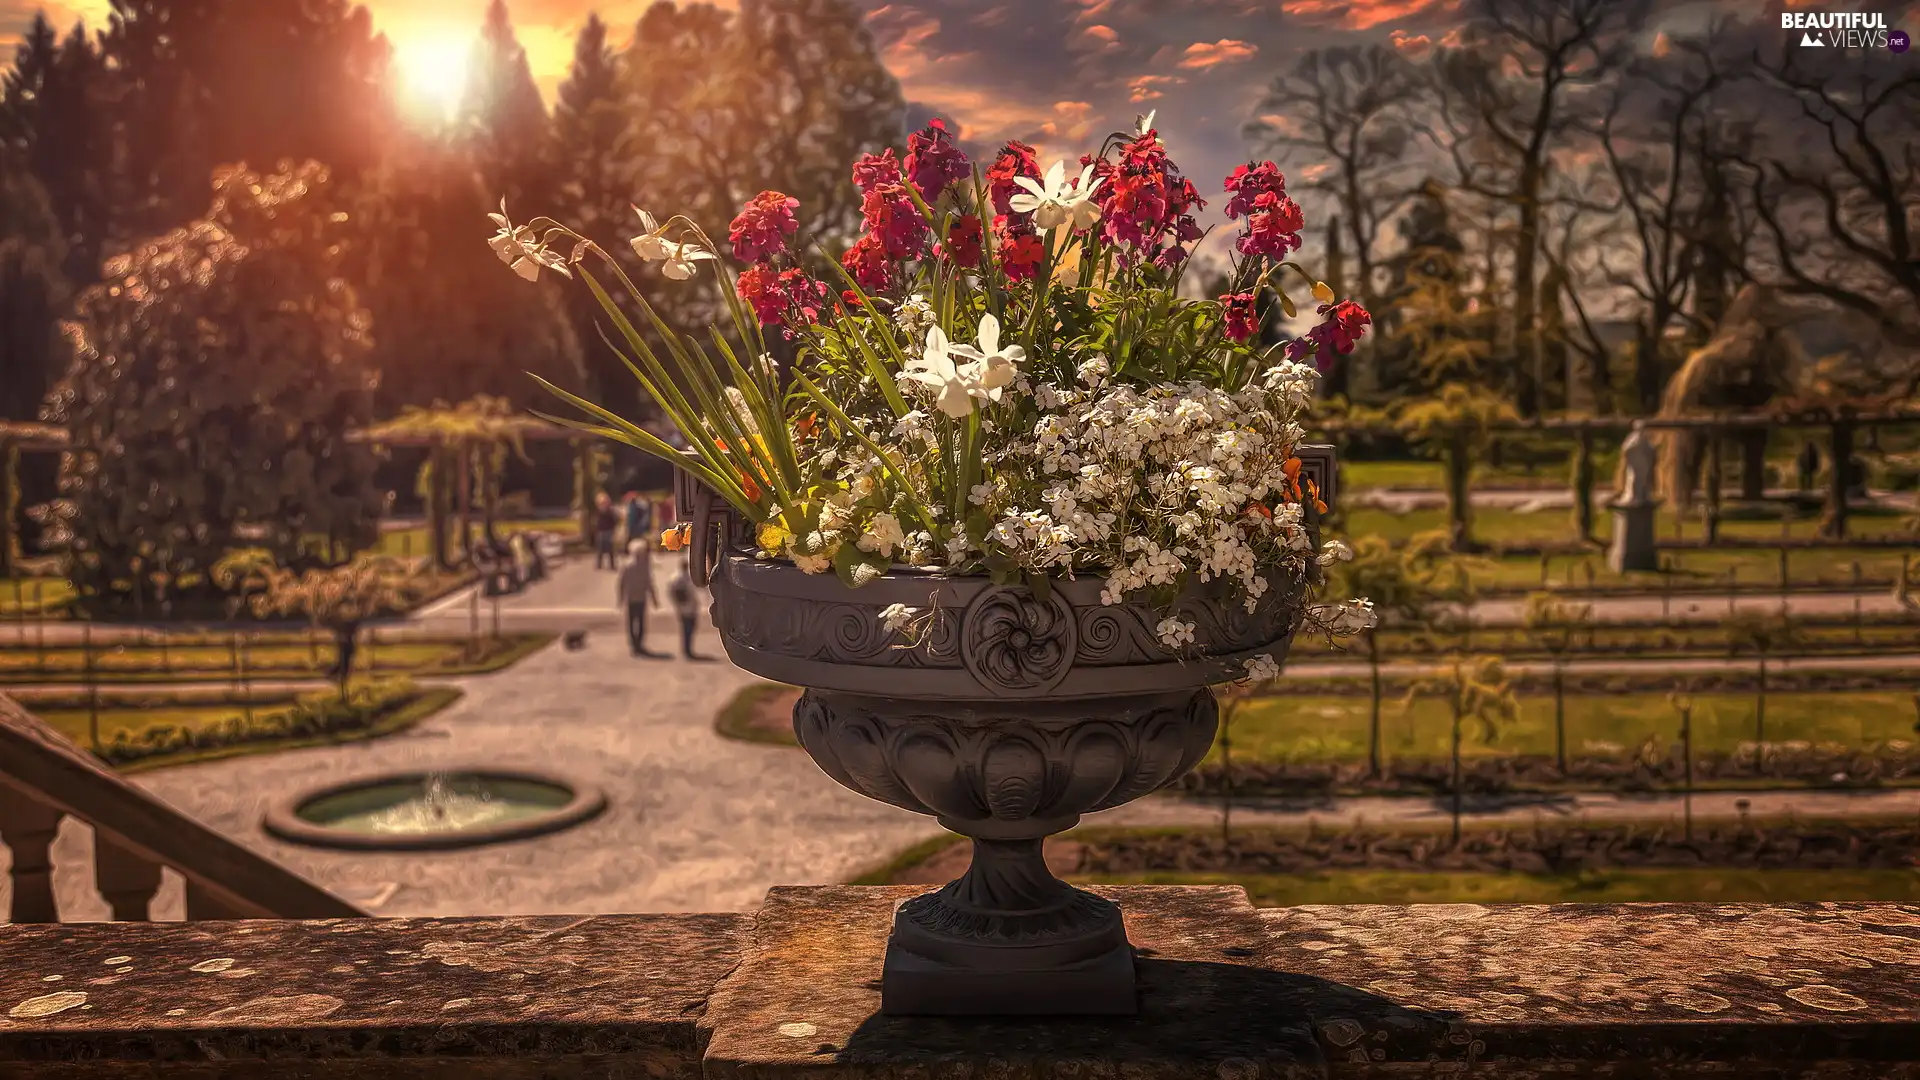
(1576,991)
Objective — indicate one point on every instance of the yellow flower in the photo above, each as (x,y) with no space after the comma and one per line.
(676,538)
(773,536)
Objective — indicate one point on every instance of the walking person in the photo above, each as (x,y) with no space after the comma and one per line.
(634,588)
(686,604)
(639,520)
(604,522)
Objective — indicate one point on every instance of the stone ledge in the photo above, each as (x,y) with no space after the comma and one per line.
(1573,991)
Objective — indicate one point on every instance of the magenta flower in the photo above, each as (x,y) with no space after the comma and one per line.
(1239,312)
(894,220)
(876,170)
(1251,181)
(934,161)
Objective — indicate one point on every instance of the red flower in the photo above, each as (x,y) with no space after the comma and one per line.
(804,296)
(867,261)
(759,286)
(874,170)
(1339,331)
(1144,197)
(763,227)
(934,162)
(849,298)
(1016,159)
(1020,255)
(1238,311)
(1249,182)
(963,241)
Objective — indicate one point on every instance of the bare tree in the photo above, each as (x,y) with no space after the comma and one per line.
(1512,89)
(1837,195)
(1346,107)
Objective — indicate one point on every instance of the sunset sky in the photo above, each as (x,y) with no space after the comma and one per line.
(1057,73)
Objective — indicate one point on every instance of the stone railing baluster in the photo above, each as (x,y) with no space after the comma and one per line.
(127,881)
(27,827)
(203,904)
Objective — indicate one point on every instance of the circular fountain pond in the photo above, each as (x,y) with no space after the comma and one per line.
(416,811)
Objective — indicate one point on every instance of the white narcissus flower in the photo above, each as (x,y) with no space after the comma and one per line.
(678,262)
(1053,203)
(1144,124)
(1262,668)
(522,249)
(934,367)
(992,367)
(650,245)
(897,617)
(1334,551)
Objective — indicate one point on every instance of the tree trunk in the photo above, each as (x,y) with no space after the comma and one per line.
(1459,492)
(1753,464)
(1526,313)
(1373,719)
(1647,381)
(1839,467)
(1760,718)
(10,547)
(1583,487)
(343,643)
(464,504)
(1456,773)
(1559,714)
(437,491)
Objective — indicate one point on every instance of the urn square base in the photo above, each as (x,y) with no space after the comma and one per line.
(912,985)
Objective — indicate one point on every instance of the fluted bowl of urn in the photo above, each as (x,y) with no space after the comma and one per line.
(1006,714)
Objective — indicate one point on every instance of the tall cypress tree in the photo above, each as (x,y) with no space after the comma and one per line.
(502,120)
(595,149)
(24,85)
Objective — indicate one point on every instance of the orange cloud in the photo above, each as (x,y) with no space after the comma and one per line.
(1146,87)
(1366,14)
(1201,54)
(1072,120)
(1101,33)
(1415,45)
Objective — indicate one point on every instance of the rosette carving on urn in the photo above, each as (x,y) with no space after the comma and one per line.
(1016,644)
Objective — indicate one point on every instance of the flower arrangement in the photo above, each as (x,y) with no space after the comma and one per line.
(1003,378)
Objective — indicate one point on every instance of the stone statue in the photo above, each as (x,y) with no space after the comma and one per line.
(1637,453)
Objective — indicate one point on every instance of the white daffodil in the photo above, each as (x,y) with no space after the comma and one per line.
(935,368)
(992,367)
(680,258)
(897,617)
(1054,202)
(652,244)
(522,249)
(1144,124)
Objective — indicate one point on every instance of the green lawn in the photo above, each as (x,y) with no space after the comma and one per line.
(1501,526)
(1711,885)
(1432,475)
(1321,728)
(33,596)
(1641,641)
(276,657)
(415,541)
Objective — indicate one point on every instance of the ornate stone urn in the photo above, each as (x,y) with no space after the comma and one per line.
(1011,716)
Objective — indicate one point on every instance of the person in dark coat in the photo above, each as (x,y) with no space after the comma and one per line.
(605,521)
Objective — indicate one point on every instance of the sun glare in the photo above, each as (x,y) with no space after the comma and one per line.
(434,69)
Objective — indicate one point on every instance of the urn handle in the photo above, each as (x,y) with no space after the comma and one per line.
(695,501)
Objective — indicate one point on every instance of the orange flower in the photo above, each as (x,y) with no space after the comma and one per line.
(807,426)
(1291,468)
(1256,508)
(676,538)
(1314,490)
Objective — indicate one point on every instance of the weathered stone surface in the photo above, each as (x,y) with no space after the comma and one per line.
(1740,992)
(603,996)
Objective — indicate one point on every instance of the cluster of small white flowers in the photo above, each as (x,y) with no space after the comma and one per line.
(913,317)
(1262,668)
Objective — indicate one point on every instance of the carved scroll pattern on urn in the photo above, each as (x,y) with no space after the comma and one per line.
(966,768)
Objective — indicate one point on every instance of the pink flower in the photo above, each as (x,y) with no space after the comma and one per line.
(934,162)
(1238,311)
(763,227)
(1249,182)
(894,220)
(867,261)
(874,170)
(1144,197)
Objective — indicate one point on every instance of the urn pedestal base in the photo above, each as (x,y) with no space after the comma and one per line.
(912,985)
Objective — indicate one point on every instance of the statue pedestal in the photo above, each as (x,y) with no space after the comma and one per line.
(1633,544)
